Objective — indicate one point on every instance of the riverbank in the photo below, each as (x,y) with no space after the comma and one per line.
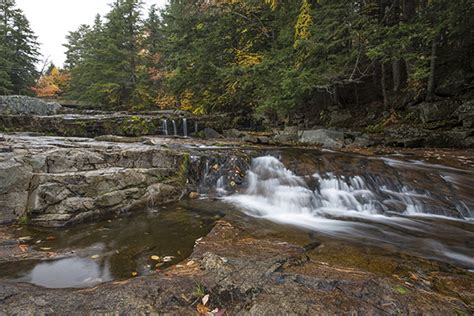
(395,237)
(244,273)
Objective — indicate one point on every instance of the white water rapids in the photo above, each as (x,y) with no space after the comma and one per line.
(350,207)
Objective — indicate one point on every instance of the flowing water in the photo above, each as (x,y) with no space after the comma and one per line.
(165,127)
(420,208)
(393,205)
(185,127)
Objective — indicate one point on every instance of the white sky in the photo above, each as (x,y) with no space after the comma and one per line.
(51,20)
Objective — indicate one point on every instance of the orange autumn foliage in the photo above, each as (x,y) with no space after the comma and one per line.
(52,84)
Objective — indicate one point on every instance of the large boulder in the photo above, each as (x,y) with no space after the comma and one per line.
(465,114)
(324,137)
(287,136)
(23,105)
(49,185)
(437,111)
(340,117)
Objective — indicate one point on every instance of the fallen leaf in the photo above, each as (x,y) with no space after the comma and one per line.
(45,248)
(220,312)
(23,248)
(201,309)
(205,299)
(134,274)
(401,290)
(168,258)
(95,257)
(51,238)
(155,258)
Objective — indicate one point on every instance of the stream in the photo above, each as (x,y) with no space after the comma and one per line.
(395,204)
(419,208)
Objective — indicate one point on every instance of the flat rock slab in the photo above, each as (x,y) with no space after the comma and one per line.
(53,181)
(324,137)
(23,105)
(252,276)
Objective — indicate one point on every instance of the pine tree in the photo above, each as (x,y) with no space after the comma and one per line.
(105,59)
(19,51)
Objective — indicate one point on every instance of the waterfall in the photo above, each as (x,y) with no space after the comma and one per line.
(274,190)
(196,127)
(367,208)
(185,127)
(220,187)
(165,127)
(175,130)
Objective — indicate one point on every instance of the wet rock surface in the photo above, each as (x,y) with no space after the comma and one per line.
(56,181)
(248,274)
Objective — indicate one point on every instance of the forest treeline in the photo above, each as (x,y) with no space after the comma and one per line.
(259,55)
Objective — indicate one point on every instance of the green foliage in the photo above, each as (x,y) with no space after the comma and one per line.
(105,60)
(265,56)
(24,219)
(18,51)
(401,290)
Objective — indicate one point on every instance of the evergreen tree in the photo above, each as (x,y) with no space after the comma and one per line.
(106,59)
(18,51)
(273,56)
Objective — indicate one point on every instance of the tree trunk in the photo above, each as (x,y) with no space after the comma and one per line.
(431,80)
(384,86)
(396,71)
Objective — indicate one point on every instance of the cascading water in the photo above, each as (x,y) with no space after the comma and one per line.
(165,127)
(175,129)
(368,208)
(185,127)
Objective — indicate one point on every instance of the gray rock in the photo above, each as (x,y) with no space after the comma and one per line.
(233,133)
(211,133)
(437,111)
(465,114)
(287,136)
(23,105)
(324,137)
(15,178)
(340,117)
(55,186)
(250,139)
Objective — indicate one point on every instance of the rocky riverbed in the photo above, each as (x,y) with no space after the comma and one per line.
(260,229)
(244,273)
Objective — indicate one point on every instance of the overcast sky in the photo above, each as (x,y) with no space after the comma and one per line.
(51,20)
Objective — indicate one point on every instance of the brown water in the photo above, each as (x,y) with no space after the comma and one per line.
(113,249)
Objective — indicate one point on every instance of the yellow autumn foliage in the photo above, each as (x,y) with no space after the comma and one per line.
(247,59)
(51,85)
(304,22)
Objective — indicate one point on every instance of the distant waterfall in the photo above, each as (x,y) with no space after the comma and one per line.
(175,130)
(165,127)
(185,127)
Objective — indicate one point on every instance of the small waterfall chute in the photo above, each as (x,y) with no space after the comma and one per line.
(185,127)
(175,129)
(165,127)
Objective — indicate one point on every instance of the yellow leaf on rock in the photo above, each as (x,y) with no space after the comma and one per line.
(202,310)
